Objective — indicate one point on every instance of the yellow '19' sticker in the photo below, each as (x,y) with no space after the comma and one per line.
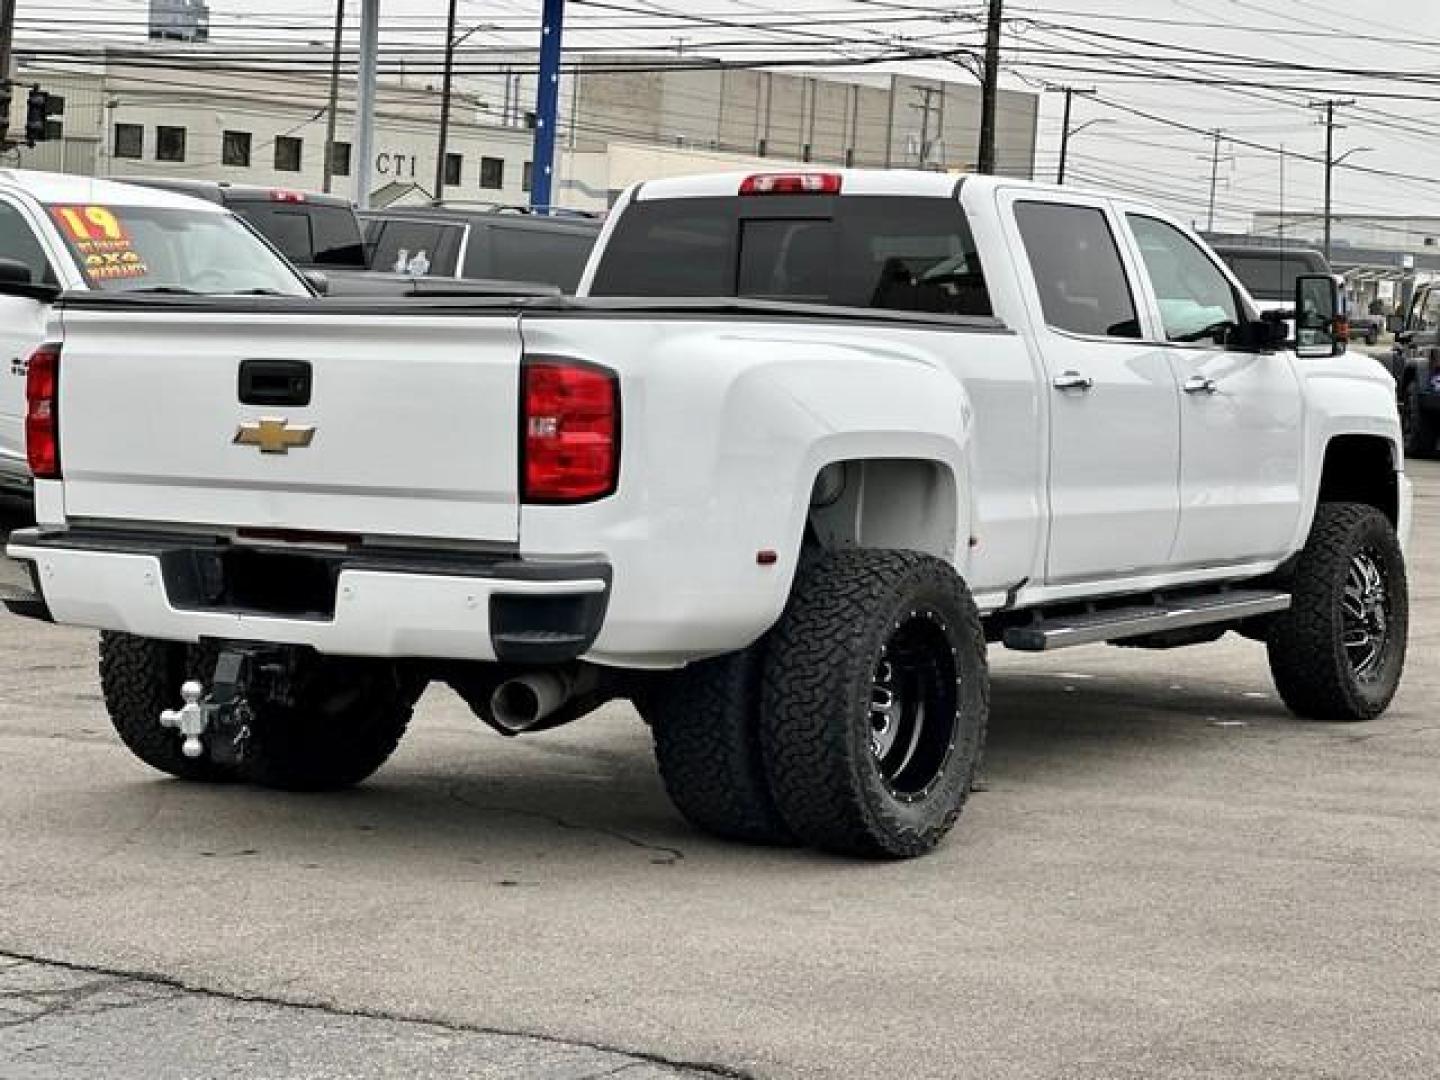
(102,242)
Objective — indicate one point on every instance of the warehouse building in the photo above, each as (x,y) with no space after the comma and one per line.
(185,110)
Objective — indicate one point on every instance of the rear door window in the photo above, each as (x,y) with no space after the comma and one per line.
(896,253)
(1078,273)
(417,247)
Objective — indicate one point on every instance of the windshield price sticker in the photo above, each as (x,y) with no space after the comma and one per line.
(101,242)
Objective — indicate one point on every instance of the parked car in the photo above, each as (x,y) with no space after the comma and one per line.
(1414,362)
(65,232)
(802,446)
(481,242)
(321,234)
(1269,273)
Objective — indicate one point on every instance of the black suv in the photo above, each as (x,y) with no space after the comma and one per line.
(313,231)
(481,242)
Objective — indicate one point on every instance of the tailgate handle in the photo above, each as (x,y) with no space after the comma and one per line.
(275,382)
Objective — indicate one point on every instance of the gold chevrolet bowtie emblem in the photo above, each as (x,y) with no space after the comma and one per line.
(274,436)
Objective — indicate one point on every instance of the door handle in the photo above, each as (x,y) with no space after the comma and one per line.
(1199,384)
(1072,380)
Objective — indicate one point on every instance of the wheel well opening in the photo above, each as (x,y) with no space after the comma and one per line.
(903,503)
(1361,469)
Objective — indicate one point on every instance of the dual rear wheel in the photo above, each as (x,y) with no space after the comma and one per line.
(855,725)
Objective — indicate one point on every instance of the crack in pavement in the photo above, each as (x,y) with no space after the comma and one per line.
(163,988)
(666,856)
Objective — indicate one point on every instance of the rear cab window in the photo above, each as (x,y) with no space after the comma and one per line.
(898,253)
(417,247)
(308,233)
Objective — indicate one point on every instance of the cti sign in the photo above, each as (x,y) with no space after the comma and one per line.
(397,166)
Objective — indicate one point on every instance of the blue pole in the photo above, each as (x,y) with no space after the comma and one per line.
(547,107)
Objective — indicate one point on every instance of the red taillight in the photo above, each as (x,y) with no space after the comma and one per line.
(286,195)
(814,183)
(42,412)
(571,437)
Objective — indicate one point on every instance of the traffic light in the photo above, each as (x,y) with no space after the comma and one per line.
(39,107)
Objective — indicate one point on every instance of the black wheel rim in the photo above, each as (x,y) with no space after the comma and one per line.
(1365,615)
(914,713)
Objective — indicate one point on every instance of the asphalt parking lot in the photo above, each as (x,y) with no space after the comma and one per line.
(1168,876)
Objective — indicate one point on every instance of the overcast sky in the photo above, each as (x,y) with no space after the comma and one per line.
(1076,42)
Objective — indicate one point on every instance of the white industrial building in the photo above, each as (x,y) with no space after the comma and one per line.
(184,109)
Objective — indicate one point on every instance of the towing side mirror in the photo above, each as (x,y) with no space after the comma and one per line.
(1317,316)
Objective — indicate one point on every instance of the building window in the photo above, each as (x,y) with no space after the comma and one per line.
(453,164)
(235,148)
(130,141)
(169,144)
(287,153)
(530,120)
(492,172)
(340,159)
(527,176)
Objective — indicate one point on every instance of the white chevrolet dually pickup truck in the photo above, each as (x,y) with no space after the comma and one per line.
(802,447)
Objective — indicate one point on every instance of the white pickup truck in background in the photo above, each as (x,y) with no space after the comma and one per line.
(63,233)
(803,446)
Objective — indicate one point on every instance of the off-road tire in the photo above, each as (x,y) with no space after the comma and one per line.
(822,672)
(348,718)
(139,679)
(706,723)
(1315,675)
(1420,428)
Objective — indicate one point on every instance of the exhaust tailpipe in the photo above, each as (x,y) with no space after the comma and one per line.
(521,703)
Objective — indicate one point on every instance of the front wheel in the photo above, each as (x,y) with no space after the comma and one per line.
(1338,652)
(875,702)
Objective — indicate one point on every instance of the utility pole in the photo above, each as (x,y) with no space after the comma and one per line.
(330,120)
(1214,177)
(989,90)
(446,84)
(7,38)
(365,100)
(928,92)
(547,106)
(1070,92)
(1330,106)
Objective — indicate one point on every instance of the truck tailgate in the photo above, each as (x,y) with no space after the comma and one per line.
(409,430)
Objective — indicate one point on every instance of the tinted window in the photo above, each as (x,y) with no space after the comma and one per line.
(18,242)
(681,247)
(1270,275)
(903,254)
(416,247)
(1196,301)
(308,233)
(1077,269)
(548,256)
